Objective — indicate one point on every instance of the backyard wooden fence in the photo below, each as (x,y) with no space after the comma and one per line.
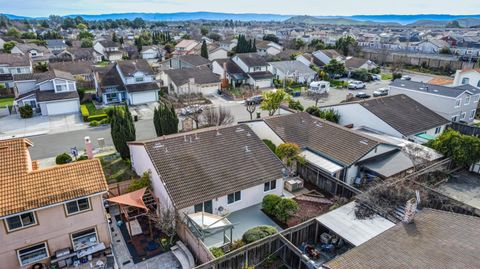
(119,188)
(465,129)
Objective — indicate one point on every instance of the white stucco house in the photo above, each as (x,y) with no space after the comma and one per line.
(50,93)
(467,76)
(396,115)
(191,80)
(293,70)
(109,50)
(256,69)
(189,171)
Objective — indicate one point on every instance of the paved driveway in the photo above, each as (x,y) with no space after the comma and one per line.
(144,111)
(13,125)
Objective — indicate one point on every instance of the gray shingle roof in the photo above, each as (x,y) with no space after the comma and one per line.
(108,44)
(75,68)
(43,96)
(201,75)
(260,75)
(129,67)
(436,239)
(54,73)
(195,60)
(55,43)
(328,139)
(293,66)
(252,59)
(141,87)
(434,89)
(14,59)
(198,168)
(404,114)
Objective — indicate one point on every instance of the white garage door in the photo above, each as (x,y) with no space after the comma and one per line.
(62,107)
(263,83)
(210,90)
(143,97)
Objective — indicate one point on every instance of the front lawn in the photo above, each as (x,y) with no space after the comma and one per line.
(103,63)
(6,101)
(116,169)
(386,76)
(92,110)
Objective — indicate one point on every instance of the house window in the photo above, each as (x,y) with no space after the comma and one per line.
(458,102)
(465,80)
(271,185)
(476,97)
(234,197)
(138,79)
(21,221)
(462,116)
(19,70)
(467,100)
(437,130)
(32,254)
(454,118)
(84,239)
(472,114)
(77,206)
(61,87)
(257,68)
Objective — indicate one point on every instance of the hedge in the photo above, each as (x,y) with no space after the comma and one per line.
(63,159)
(258,233)
(97,117)
(85,113)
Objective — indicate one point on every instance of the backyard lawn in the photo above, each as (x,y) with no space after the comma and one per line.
(6,101)
(116,169)
(386,76)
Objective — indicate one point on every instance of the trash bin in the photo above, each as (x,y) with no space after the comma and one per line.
(135,118)
(258,115)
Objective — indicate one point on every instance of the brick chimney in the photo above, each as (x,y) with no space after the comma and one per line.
(88,147)
(410,210)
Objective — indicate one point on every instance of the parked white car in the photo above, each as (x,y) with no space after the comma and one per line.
(380,92)
(319,87)
(355,85)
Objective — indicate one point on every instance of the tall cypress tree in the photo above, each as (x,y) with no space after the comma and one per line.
(165,119)
(204,50)
(254,48)
(158,118)
(122,130)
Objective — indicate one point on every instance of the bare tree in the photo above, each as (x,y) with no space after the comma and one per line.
(316,96)
(217,116)
(419,155)
(251,108)
(165,221)
(196,116)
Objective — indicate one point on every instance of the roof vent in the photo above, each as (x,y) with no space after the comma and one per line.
(184,138)
(239,129)
(248,134)
(218,132)
(166,150)
(247,149)
(365,142)
(190,139)
(196,136)
(157,146)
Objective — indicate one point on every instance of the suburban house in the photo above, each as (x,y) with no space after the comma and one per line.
(49,214)
(265,48)
(353,63)
(152,53)
(293,70)
(457,104)
(185,47)
(418,244)
(323,57)
(77,54)
(11,64)
(191,80)
(330,150)
(229,70)
(131,81)
(468,76)
(109,50)
(187,61)
(395,115)
(193,172)
(82,71)
(55,45)
(49,93)
(432,45)
(256,69)
(217,53)
(37,53)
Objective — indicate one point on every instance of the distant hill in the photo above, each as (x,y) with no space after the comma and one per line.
(436,20)
(334,21)
(463,22)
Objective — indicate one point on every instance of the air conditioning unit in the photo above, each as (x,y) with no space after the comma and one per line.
(294,184)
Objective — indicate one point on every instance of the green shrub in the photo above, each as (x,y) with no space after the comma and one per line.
(237,244)
(258,233)
(292,104)
(217,252)
(97,117)
(269,203)
(285,209)
(270,145)
(26,111)
(82,158)
(85,113)
(142,182)
(93,123)
(105,121)
(396,76)
(63,159)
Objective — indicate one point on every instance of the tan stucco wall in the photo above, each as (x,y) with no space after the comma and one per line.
(54,228)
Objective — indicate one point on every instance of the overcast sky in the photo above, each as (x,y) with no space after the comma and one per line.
(295,7)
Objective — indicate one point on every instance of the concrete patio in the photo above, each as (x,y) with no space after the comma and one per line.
(464,187)
(243,220)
